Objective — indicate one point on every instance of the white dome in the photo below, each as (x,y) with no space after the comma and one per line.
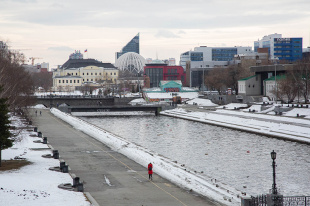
(130,61)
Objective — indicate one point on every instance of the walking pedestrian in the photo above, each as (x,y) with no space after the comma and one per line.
(150,171)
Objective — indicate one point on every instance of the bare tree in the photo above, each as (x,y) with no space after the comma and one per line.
(42,79)
(216,79)
(17,83)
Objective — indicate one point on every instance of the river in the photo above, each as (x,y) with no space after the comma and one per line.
(239,159)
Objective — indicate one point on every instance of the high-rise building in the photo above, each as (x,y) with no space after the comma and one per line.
(289,49)
(132,46)
(212,55)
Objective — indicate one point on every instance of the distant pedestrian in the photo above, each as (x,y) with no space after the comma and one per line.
(150,171)
(36,112)
(40,113)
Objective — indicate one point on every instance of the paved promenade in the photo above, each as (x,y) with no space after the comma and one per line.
(110,178)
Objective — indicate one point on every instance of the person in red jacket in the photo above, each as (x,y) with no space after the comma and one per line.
(150,171)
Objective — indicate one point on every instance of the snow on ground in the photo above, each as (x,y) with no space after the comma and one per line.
(300,111)
(233,106)
(164,167)
(137,101)
(167,95)
(58,93)
(258,123)
(39,106)
(201,102)
(34,184)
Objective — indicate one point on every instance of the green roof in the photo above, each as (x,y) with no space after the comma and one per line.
(247,78)
(273,78)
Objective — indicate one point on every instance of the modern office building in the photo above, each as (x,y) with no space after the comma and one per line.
(280,48)
(157,71)
(132,46)
(212,56)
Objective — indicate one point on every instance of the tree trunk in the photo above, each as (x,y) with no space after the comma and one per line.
(0,156)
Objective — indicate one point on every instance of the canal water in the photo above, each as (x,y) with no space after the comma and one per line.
(238,159)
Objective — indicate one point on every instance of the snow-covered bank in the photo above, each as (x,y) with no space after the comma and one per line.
(164,167)
(279,130)
(34,184)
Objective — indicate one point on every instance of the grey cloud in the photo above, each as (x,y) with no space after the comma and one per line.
(143,14)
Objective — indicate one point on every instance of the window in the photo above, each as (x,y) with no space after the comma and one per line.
(91,73)
(66,81)
(87,74)
(76,74)
(111,73)
(83,73)
(114,73)
(74,81)
(78,81)
(95,73)
(70,81)
(72,74)
(59,81)
(63,81)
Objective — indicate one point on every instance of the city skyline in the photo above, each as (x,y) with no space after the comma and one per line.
(52,30)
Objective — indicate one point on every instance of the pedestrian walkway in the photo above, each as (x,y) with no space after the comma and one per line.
(109,177)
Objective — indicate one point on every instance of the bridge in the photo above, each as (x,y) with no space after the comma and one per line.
(78,100)
(119,108)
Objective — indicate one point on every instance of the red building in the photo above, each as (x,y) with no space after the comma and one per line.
(158,70)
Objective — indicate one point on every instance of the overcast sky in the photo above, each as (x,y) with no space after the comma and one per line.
(53,29)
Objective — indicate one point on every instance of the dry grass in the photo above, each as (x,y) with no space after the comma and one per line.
(13,164)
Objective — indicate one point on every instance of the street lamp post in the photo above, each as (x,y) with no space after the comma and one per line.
(275,82)
(274,186)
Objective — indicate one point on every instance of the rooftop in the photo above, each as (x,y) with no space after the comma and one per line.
(77,63)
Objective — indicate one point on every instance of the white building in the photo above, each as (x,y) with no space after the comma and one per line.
(267,42)
(250,86)
(75,72)
(212,55)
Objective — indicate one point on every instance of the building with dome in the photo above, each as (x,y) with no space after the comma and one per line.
(130,61)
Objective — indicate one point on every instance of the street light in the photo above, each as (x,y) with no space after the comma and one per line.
(275,76)
(274,186)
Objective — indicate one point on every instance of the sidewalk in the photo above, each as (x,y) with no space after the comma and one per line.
(109,177)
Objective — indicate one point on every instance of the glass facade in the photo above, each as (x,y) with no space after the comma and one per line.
(155,74)
(196,56)
(197,79)
(132,46)
(289,49)
(256,46)
(223,54)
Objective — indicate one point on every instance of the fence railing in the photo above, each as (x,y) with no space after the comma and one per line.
(279,200)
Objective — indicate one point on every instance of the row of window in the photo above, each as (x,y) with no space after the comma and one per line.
(90,74)
(75,81)
(67,81)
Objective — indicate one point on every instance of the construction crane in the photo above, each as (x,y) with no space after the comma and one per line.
(33,58)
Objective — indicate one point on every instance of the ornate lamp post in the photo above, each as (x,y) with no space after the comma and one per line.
(274,186)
